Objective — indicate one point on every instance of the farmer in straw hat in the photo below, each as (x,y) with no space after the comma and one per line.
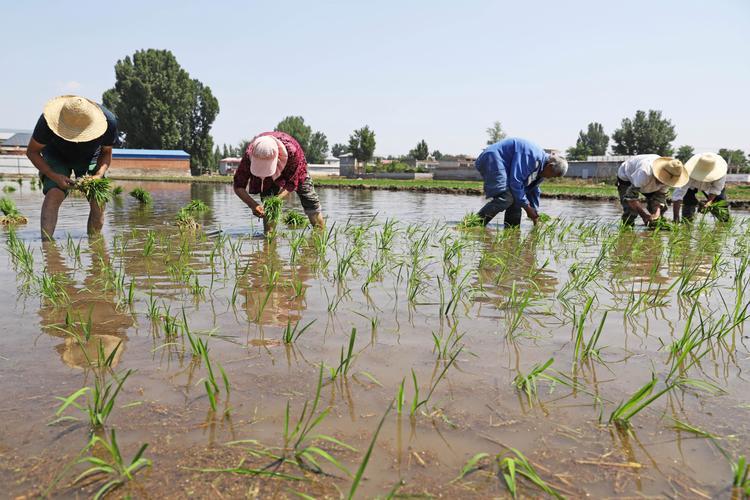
(73,135)
(512,170)
(650,175)
(274,165)
(708,173)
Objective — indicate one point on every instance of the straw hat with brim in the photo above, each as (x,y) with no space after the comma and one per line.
(706,167)
(75,118)
(670,171)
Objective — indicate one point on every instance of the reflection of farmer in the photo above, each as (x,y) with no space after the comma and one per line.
(87,304)
(650,175)
(278,304)
(708,174)
(73,135)
(274,164)
(512,170)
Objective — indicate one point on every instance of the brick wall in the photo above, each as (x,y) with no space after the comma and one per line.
(149,167)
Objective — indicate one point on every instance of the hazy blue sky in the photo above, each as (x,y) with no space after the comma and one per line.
(438,70)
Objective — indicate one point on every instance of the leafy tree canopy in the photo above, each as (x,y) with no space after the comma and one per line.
(593,142)
(420,151)
(495,133)
(362,144)
(644,134)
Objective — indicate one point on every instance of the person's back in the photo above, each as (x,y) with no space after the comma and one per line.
(517,157)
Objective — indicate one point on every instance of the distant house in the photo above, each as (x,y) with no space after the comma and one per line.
(14,142)
(595,167)
(228,166)
(332,160)
(150,163)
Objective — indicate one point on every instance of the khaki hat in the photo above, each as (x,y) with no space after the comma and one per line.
(75,118)
(706,167)
(670,171)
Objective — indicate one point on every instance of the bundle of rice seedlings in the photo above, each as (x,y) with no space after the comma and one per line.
(719,209)
(117,190)
(544,217)
(97,189)
(272,208)
(295,219)
(185,220)
(11,215)
(661,224)
(196,206)
(8,189)
(471,220)
(141,195)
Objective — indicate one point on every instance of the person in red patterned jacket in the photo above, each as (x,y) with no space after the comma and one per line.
(274,165)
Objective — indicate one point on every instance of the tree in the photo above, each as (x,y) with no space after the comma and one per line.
(644,134)
(735,158)
(317,149)
(159,106)
(593,142)
(315,145)
(437,155)
(495,133)
(420,151)
(339,149)
(684,153)
(362,144)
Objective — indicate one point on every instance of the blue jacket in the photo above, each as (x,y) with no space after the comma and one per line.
(513,164)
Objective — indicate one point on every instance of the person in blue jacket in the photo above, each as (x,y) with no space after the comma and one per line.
(512,170)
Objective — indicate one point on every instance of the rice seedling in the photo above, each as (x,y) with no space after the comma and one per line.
(294,219)
(11,215)
(272,209)
(100,399)
(513,463)
(52,288)
(527,383)
(9,189)
(291,334)
(141,195)
(366,459)
(471,220)
(741,476)
(417,402)
(116,472)
(588,350)
(196,207)
(345,361)
(96,189)
(641,399)
(117,190)
(544,217)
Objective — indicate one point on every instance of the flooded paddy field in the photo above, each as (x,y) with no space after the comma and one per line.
(389,355)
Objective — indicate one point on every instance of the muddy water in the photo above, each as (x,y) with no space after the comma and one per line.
(517,299)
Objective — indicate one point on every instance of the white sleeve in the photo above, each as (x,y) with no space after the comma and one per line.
(717,186)
(679,193)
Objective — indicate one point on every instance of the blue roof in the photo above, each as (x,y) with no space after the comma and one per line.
(168,154)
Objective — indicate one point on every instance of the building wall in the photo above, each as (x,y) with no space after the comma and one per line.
(456,174)
(149,167)
(593,169)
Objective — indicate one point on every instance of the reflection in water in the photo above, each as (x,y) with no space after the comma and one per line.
(92,321)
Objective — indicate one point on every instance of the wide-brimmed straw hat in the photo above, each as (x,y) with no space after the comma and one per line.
(706,167)
(670,171)
(75,118)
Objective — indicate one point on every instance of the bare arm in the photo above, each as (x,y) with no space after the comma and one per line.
(256,207)
(34,153)
(645,214)
(103,162)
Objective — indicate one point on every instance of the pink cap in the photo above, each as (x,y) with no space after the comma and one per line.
(264,156)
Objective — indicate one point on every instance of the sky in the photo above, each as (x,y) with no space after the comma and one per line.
(442,71)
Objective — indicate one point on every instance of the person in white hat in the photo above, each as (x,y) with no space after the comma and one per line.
(650,175)
(274,164)
(74,135)
(708,174)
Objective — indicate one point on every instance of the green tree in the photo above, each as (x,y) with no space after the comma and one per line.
(593,142)
(362,144)
(495,133)
(339,149)
(317,149)
(437,154)
(420,151)
(684,153)
(644,134)
(159,106)
(735,158)
(314,144)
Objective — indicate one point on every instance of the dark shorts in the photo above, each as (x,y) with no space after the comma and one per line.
(306,193)
(60,167)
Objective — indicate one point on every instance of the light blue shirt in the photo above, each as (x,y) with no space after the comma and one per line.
(513,164)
